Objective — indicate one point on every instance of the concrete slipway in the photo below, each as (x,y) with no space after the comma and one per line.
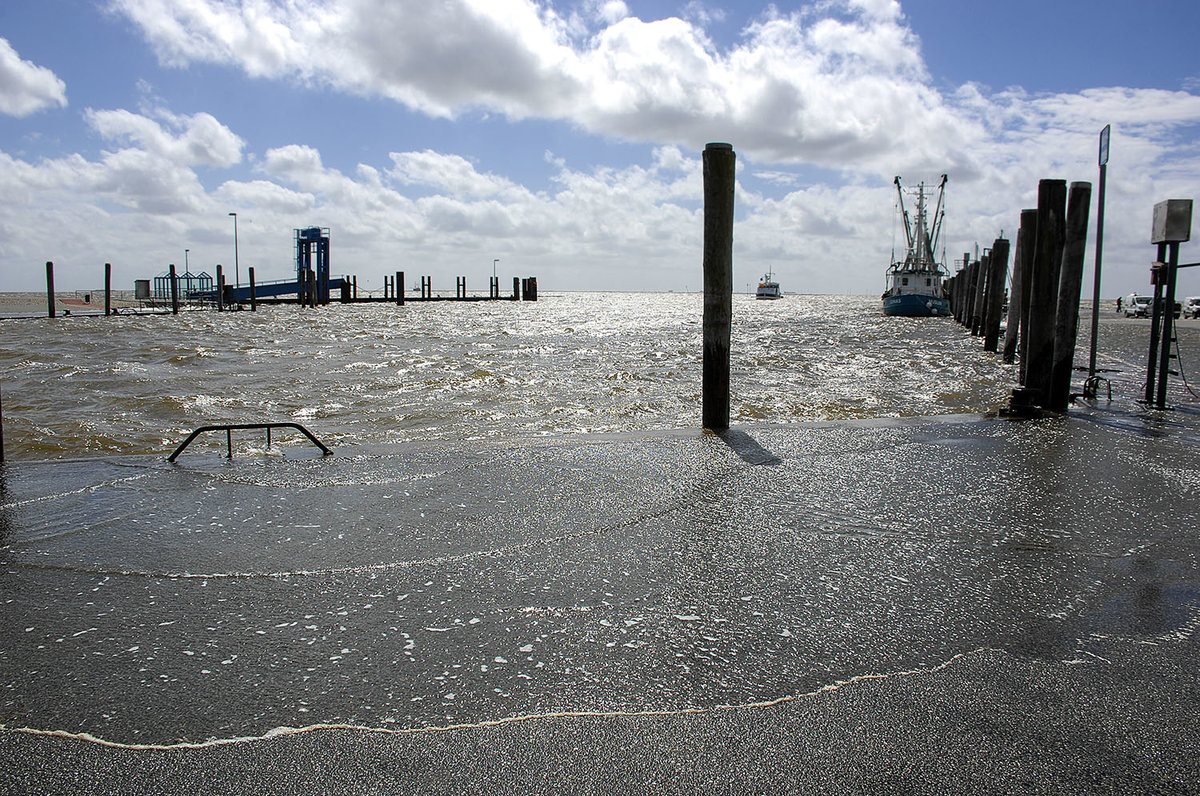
(930,605)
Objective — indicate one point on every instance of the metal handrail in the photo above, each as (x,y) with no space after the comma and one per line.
(230,428)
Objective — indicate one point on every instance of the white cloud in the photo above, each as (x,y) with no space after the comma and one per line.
(25,87)
(187,140)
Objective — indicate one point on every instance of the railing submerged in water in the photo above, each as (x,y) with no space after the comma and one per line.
(229,428)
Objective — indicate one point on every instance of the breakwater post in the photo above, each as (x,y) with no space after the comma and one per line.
(460,287)
(1070,283)
(426,287)
(977,303)
(253,297)
(398,285)
(720,163)
(107,289)
(174,290)
(516,296)
(1018,300)
(996,279)
(50,289)
(220,288)
(1,431)
(1047,261)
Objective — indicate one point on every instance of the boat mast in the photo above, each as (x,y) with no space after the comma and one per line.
(908,237)
(938,215)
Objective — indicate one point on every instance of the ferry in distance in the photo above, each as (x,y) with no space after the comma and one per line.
(768,288)
(914,284)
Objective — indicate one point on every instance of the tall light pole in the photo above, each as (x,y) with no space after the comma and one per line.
(237,280)
(494,267)
(185,264)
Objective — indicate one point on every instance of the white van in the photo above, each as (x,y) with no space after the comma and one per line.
(1137,306)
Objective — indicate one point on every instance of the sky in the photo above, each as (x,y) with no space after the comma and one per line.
(564,139)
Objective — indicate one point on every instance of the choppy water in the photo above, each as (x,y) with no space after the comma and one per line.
(572,362)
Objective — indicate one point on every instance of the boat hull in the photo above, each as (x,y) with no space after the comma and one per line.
(915,305)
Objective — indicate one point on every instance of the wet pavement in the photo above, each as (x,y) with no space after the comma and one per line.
(926,605)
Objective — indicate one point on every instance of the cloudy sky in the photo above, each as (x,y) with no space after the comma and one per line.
(564,138)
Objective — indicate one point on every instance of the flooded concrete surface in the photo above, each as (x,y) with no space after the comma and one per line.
(918,605)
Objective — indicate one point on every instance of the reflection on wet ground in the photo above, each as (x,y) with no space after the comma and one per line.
(461,583)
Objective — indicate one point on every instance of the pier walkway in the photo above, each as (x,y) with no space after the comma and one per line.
(932,605)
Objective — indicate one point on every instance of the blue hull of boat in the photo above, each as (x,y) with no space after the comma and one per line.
(913,305)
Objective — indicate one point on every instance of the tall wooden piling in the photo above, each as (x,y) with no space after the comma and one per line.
(174,290)
(1070,283)
(1043,297)
(1018,300)
(978,303)
(996,279)
(220,288)
(49,289)
(253,297)
(400,288)
(719,176)
(107,289)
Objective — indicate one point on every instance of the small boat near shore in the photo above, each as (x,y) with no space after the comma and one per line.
(914,284)
(768,288)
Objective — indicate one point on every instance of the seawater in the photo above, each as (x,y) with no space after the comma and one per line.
(379,373)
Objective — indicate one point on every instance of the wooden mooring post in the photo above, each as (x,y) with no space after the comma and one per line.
(399,287)
(1070,284)
(719,166)
(174,290)
(107,289)
(996,282)
(49,289)
(1018,300)
(253,297)
(220,288)
(1043,297)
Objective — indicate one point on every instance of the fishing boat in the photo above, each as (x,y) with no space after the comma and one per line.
(768,288)
(914,284)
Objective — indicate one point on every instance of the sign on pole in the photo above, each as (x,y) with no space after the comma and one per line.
(1104,144)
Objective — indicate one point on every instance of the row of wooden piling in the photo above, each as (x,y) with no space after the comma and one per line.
(524,288)
(1043,304)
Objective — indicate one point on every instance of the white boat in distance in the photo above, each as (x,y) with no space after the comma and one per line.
(768,288)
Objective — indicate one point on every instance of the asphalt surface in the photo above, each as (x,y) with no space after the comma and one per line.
(937,605)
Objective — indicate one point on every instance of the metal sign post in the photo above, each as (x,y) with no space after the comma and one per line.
(1090,386)
(1172,226)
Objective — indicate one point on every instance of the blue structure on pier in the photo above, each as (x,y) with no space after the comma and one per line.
(313,244)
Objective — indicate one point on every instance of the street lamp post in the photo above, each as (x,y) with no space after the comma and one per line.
(237,279)
(185,260)
(495,284)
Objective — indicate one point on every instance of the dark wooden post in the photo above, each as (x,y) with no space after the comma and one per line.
(1018,302)
(1,432)
(1043,296)
(312,289)
(107,289)
(516,296)
(991,325)
(253,297)
(977,304)
(174,290)
(220,288)
(532,287)
(719,166)
(1070,283)
(50,288)
(354,286)
(398,287)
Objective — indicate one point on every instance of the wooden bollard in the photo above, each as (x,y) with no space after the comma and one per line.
(1018,299)
(398,287)
(532,288)
(720,163)
(1043,292)
(107,289)
(991,331)
(354,287)
(174,290)
(977,304)
(1070,283)
(253,297)
(50,289)
(220,288)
